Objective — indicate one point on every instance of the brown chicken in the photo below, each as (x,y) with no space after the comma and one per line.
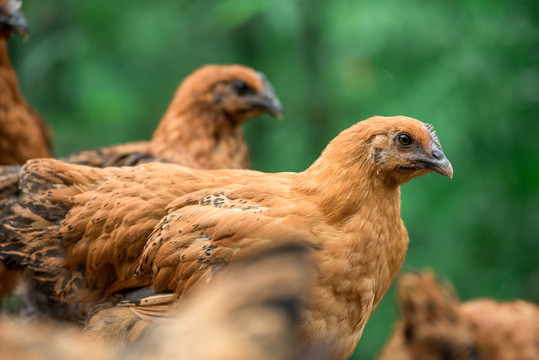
(96,232)
(202,126)
(23,132)
(251,312)
(435,325)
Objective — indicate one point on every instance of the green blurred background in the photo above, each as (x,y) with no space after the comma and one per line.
(102,72)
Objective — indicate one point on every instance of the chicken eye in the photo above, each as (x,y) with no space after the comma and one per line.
(241,88)
(405,139)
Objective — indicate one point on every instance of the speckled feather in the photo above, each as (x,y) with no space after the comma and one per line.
(97,231)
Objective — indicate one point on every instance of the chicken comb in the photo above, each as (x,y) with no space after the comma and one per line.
(432,132)
(434,137)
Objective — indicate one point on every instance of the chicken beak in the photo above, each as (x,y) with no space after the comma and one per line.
(437,162)
(21,28)
(273,104)
(268,101)
(276,111)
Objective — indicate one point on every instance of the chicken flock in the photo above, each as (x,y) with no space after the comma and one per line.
(173,248)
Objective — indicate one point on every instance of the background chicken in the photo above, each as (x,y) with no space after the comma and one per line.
(23,132)
(202,126)
(100,231)
(435,325)
(251,312)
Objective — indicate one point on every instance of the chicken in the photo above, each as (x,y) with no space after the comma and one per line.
(95,232)
(23,132)
(505,330)
(202,125)
(250,312)
(436,325)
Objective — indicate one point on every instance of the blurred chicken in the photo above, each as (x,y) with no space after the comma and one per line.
(252,311)
(202,126)
(96,232)
(45,340)
(436,326)
(23,132)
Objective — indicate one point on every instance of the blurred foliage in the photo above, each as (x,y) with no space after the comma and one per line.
(102,72)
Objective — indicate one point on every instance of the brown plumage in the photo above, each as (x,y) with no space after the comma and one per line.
(45,340)
(95,232)
(24,134)
(202,125)
(201,129)
(435,325)
(250,312)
